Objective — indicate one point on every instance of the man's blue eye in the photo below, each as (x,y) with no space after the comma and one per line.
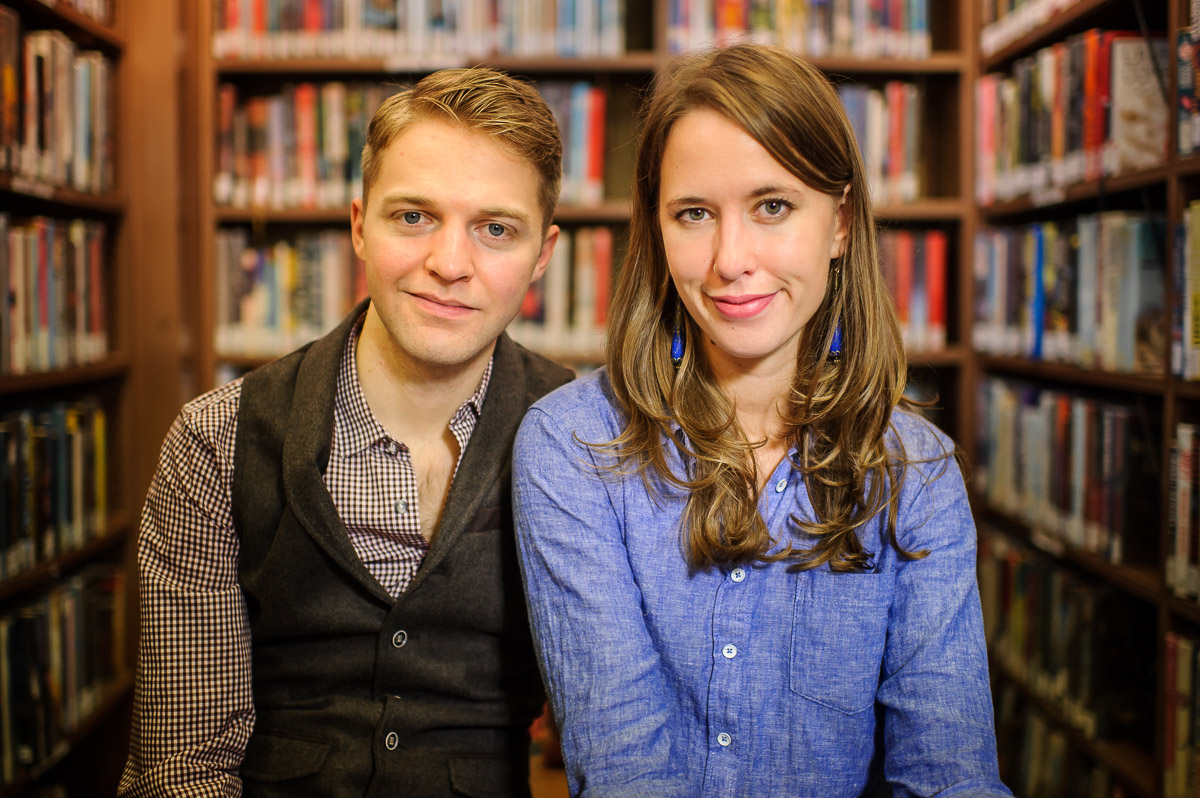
(412,217)
(495,229)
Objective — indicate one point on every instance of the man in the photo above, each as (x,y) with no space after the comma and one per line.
(330,598)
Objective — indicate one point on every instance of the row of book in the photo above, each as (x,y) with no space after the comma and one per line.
(1005,21)
(887,123)
(1181,716)
(302,147)
(60,654)
(564,312)
(1092,106)
(1185,313)
(1037,758)
(1082,472)
(1078,645)
(914,264)
(1086,290)
(55,109)
(815,28)
(1187,69)
(99,10)
(53,482)
(1182,568)
(53,274)
(273,296)
(417,33)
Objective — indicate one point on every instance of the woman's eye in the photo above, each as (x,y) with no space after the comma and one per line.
(412,217)
(694,214)
(774,207)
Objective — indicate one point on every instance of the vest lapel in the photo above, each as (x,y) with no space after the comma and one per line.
(488,454)
(306,453)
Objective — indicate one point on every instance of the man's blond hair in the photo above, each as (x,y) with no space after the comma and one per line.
(481,99)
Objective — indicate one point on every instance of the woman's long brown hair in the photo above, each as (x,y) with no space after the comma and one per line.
(837,414)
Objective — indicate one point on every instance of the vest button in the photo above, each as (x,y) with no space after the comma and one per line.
(400,638)
(391,741)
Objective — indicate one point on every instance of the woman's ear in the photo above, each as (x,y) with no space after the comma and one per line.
(842,217)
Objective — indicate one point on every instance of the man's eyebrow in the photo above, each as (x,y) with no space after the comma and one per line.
(515,214)
(407,199)
(419,201)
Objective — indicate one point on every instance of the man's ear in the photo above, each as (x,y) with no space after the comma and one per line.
(356,227)
(547,252)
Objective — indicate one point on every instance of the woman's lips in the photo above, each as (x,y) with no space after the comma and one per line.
(743,306)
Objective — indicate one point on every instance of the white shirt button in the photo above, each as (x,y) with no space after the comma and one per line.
(392,448)
(781,486)
(401,507)
(724,740)
(392,740)
(400,638)
(737,574)
(730,651)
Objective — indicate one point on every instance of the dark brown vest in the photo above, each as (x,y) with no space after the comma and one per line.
(357,694)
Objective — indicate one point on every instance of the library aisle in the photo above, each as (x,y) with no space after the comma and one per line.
(175,182)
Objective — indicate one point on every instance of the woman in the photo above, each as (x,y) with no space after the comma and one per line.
(750,571)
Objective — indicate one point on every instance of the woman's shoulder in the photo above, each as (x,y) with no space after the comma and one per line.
(584,403)
(921,439)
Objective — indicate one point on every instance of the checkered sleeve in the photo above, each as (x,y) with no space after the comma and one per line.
(193,711)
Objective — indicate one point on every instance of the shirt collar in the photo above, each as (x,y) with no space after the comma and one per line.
(355,427)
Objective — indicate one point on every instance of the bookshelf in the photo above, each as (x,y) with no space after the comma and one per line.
(81,479)
(943,163)
(1140,757)
(942,77)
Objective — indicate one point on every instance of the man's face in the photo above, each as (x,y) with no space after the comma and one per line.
(451,238)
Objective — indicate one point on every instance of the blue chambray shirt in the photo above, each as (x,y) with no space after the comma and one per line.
(753,680)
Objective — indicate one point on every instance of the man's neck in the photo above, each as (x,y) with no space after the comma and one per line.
(413,401)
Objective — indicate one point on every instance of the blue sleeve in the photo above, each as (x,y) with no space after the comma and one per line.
(939,732)
(601,668)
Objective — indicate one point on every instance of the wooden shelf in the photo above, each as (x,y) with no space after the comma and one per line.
(65,199)
(615,211)
(1186,390)
(1058,26)
(1077,192)
(42,575)
(80,27)
(1143,581)
(947,62)
(951,356)
(1073,375)
(1188,165)
(115,696)
(936,209)
(631,63)
(1188,609)
(1130,764)
(115,366)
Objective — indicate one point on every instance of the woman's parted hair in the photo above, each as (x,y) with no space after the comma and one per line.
(838,413)
(481,99)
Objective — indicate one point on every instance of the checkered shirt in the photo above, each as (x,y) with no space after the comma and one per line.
(193,710)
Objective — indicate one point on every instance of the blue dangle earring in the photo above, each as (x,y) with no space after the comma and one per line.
(677,338)
(835,345)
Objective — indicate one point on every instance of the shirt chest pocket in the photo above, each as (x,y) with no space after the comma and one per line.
(839,629)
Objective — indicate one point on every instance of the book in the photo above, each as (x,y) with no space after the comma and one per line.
(1137,111)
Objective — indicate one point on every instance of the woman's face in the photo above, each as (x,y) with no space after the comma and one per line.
(747,243)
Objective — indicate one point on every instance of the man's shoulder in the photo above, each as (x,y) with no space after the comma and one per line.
(542,375)
(214,409)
